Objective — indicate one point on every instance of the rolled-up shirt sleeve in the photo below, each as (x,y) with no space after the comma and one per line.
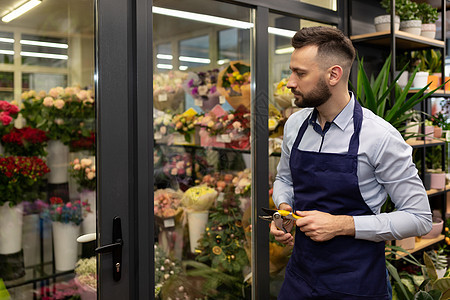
(283,191)
(396,172)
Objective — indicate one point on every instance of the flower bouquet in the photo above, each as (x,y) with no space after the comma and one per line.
(168,215)
(82,142)
(183,127)
(8,112)
(239,129)
(70,212)
(86,278)
(198,200)
(25,141)
(84,173)
(161,127)
(234,84)
(202,87)
(283,95)
(21,179)
(168,90)
(213,127)
(165,268)
(62,113)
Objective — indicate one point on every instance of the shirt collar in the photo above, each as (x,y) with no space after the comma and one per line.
(343,118)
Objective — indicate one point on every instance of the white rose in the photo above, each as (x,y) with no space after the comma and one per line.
(48,101)
(59,103)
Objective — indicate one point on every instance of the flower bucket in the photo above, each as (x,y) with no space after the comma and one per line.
(58,162)
(65,245)
(11,223)
(197,221)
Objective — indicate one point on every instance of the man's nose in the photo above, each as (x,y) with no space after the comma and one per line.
(291,83)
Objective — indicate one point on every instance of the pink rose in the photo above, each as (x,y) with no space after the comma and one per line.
(48,102)
(5,118)
(59,209)
(68,204)
(59,103)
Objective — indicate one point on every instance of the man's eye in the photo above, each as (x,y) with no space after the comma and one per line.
(300,74)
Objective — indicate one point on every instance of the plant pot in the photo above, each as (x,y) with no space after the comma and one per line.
(65,245)
(411,26)
(437,180)
(435,230)
(403,80)
(11,223)
(383,23)
(197,221)
(58,162)
(437,132)
(420,80)
(428,30)
(434,80)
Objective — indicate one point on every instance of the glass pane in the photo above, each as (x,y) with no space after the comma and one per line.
(202,172)
(329,4)
(50,197)
(6,47)
(282,28)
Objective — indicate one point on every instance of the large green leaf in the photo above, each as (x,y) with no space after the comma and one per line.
(442,284)
(431,269)
(422,295)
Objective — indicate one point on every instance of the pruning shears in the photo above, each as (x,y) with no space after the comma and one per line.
(279,216)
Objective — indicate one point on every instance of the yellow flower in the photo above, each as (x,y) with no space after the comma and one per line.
(236,88)
(235,74)
(239,77)
(232,80)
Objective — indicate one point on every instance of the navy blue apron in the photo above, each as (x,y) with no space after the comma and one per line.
(343,267)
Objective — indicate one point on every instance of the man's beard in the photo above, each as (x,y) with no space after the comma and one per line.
(315,98)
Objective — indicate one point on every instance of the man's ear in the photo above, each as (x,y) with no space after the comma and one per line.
(335,74)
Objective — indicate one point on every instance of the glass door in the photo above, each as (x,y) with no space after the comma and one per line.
(202,76)
(48,148)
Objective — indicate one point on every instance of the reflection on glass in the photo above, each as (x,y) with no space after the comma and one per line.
(280,108)
(202,174)
(49,200)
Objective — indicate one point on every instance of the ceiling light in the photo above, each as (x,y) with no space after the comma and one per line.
(223,61)
(44,44)
(183,68)
(202,18)
(284,50)
(6,40)
(44,55)
(164,56)
(281,32)
(7,52)
(195,59)
(21,10)
(164,66)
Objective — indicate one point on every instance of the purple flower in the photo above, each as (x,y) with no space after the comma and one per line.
(190,83)
(194,91)
(212,90)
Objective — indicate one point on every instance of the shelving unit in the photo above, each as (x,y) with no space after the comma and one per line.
(399,40)
(420,245)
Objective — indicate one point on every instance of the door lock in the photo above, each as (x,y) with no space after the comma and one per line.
(116,248)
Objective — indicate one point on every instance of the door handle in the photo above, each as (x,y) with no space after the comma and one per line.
(115,247)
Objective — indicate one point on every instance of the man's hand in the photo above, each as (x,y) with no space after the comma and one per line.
(280,236)
(320,226)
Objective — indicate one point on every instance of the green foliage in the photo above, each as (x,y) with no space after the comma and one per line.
(405,9)
(427,60)
(375,94)
(222,248)
(427,13)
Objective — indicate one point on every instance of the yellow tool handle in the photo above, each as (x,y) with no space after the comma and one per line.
(285,213)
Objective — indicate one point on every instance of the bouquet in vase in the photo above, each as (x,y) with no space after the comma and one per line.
(84,172)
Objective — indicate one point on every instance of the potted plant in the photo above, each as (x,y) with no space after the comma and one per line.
(434,177)
(430,66)
(429,16)
(375,94)
(409,19)
(383,22)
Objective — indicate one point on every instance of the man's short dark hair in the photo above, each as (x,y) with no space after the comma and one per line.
(329,41)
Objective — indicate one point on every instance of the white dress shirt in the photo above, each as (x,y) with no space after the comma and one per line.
(385,167)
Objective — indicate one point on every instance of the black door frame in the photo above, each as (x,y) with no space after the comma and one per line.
(125,127)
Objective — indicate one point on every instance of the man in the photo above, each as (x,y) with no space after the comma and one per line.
(338,163)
